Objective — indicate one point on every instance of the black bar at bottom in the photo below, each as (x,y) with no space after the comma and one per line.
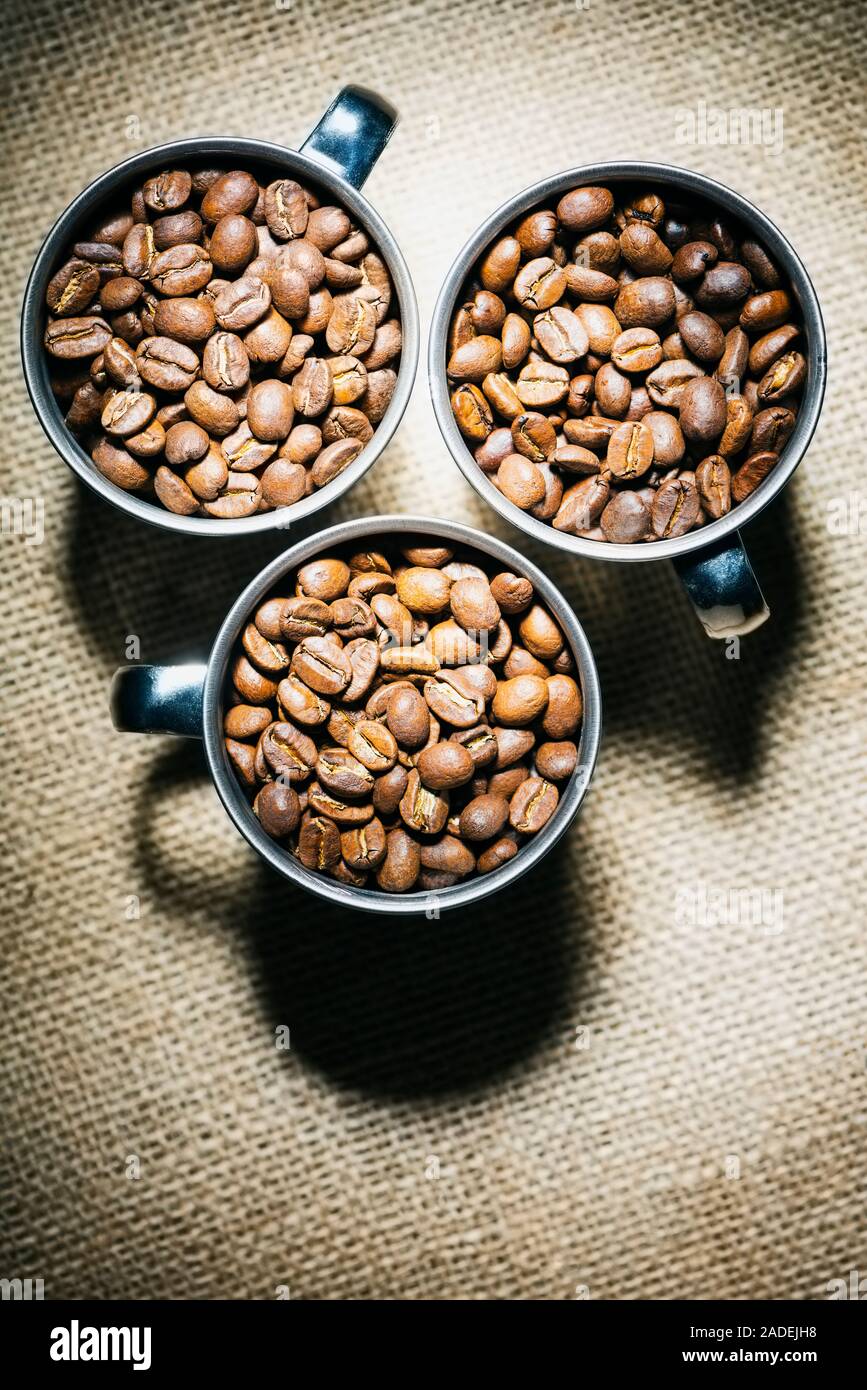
(71,1339)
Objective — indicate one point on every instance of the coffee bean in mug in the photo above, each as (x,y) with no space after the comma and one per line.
(381,722)
(623,370)
(242,310)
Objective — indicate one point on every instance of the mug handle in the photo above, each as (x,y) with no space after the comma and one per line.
(159,699)
(352,134)
(723,588)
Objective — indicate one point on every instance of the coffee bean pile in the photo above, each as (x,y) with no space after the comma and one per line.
(626,370)
(223,348)
(403,719)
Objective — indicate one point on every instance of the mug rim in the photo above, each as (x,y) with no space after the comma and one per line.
(697,184)
(238,808)
(35,362)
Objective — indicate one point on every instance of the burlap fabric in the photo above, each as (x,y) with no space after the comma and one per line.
(584,1085)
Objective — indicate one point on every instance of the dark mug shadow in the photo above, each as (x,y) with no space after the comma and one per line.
(664,681)
(169,590)
(399,1008)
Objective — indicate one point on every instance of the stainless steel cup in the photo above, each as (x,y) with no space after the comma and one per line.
(337,156)
(189,700)
(712,562)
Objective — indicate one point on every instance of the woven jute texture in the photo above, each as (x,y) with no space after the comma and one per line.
(587,1085)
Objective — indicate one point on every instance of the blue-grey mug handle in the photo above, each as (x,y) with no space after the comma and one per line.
(353,133)
(159,699)
(724,590)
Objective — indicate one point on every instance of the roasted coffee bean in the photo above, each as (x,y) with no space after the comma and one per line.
(723,285)
(692,260)
(86,407)
(278,809)
(752,473)
(367,731)
(289,753)
(630,450)
(72,288)
(209,475)
(181,270)
(400,868)
(473,605)
(483,817)
(556,761)
(120,294)
(676,506)
(701,335)
(73,338)
(452,706)
(702,410)
(771,429)
(215,262)
(166,364)
(511,592)
(637,350)
(448,855)
(765,311)
(472,412)
(480,743)
(445,766)
(128,412)
(565,707)
(602,326)
(120,467)
(422,809)
(533,805)
(496,855)
(582,505)
(326,578)
(321,666)
(667,305)
(667,382)
(343,812)
(782,380)
(174,493)
(185,443)
(246,721)
(341,773)
(625,519)
(364,848)
(318,843)
(408,717)
(243,759)
(521,481)
(512,745)
(713,480)
(519,700)
(418,660)
(388,790)
(540,634)
(645,303)
(301,703)
(539,284)
(585,208)
(373,745)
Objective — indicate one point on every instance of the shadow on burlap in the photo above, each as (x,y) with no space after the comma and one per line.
(572,1085)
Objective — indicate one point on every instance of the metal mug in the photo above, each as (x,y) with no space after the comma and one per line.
(712,562)
(188,700)
(338,155)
